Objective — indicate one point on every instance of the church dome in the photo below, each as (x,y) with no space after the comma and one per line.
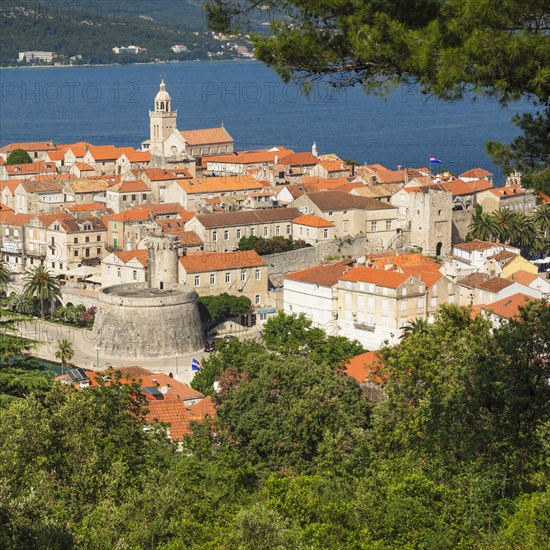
(163,95)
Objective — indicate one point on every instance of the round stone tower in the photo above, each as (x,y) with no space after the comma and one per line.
(162,261)
(159,318)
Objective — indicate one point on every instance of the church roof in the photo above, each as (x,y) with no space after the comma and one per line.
(206,136)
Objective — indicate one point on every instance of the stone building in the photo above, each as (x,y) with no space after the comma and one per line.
(159,318)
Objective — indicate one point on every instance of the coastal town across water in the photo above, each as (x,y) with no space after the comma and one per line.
(362,251)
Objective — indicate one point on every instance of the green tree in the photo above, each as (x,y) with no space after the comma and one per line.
(415,326)
(221,307)
(18,156)
(504,220)
(498,48)
(483,227)
(540,218)
(64,352)
(5,277)
(41,283)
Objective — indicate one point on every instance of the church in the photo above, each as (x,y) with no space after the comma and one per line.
(172,148)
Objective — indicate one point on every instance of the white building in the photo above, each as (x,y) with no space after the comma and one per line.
(46,57)
(313,292)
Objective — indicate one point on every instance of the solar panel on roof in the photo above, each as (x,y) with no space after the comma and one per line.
(77,375)
(153,391)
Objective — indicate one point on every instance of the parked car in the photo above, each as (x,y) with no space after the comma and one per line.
(210,346)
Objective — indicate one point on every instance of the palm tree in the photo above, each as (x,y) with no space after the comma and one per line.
(415,326)
(40,283)
(64,352)
(483,227)
(541,219)
(504,220)
(525,235)
(5,276)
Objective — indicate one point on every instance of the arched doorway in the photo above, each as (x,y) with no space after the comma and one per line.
(438,249)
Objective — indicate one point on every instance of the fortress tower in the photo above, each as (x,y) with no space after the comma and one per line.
(159,318)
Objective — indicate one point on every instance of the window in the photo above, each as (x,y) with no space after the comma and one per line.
(345,212)
(118,272)
(403,305)
(75,240)
(301,230)
(266,231)
(226,235)
(252,231)
(325,233)
(420,303)
(385,304)
(98,251)
(228,278)
(56,227)
(330,213)
(144,196)
(307,231)
(214,236)
(404,291)
(212,278)
(257,275)
(134,275)
(238,233)
(87,253)
(373,226)
(133,197)
(345,226)
(257,299)
(433,302)
(277,230)
(87,239)
(388,225)
(197,280)
(288,229)
(75,253)
(243,276)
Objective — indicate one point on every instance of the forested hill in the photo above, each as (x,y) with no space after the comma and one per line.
(91,30)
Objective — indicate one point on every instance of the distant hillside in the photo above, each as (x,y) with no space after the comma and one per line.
(69,30)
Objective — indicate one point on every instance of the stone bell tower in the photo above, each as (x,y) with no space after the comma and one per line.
(162,121)
(162,262)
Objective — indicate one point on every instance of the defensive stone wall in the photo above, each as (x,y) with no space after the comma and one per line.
(138,323)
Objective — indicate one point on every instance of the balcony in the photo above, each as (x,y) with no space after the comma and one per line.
(364,326)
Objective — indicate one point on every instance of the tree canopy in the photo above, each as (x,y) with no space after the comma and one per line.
(457,455)
(451,49)
(18,156)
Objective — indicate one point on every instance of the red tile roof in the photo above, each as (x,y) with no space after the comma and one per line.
(476,244)
(205,136)
(523,277)
(363,367)
(127,255)
(29,146)
(476,173)
(509,191)
(326,274)
(507,308)
(174,413)
(131,186)
(219,261)
(251,157)
(299,159)
(459,187)
(8,217)
(379,277)
(312,221)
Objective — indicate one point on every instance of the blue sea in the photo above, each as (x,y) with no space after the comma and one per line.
(110,104)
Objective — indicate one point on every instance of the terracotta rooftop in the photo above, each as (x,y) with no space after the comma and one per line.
(509,191)
(523,277)
(363,367)
(131,186)
(220,184)
(258,156)
(160,174)
(484,282)
(205,136)
(8,217)
(312,221)
(127,255)
(174,413)
(476,173)
(476,244)
(90,207)
(108,152)
(378,277)
(29,146)
(299,159)
(219,261)
(508,308)
(326,274)
(31,168)
(459,187)
(88,185)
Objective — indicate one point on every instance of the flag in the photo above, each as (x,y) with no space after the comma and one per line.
(433,160)
(195,364)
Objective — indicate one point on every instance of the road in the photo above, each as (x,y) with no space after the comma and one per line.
(86,356)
